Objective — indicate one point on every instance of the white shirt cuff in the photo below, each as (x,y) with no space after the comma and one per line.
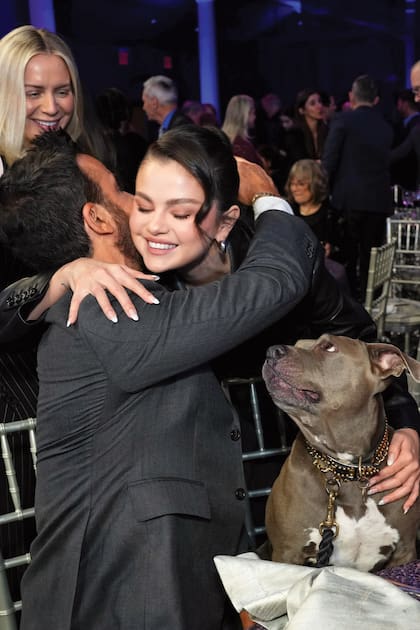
(269,202)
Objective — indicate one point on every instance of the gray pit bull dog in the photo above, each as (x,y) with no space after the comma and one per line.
(331,388)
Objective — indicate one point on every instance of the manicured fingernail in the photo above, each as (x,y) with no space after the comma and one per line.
(133,315)
(113,319)
(155,301)
(156,277)
(405,510)
(381,502)
(390,460)
(68,323)
(372,491)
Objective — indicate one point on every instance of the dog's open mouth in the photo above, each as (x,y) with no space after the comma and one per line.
(284,393)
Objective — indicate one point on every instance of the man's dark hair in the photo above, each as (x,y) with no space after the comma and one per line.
(41,200)
(365,89)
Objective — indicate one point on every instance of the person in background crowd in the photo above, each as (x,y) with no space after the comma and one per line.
(330,106)
(209,116)
(405,155)
(238,125)
(160,103)
(194,110)
(307,137)
(307,191)
(357,159)
(268,126)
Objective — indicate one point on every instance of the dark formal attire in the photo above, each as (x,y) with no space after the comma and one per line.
(408,153)
(405,159)
(300,145)
(140,479)
(357,158)
(18,396)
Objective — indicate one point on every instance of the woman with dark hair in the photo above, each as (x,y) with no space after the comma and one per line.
(307,136)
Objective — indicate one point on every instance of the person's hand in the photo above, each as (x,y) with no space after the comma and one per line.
(253,179)
(86,276)
(402,473)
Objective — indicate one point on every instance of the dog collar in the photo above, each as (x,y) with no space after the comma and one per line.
(364,469)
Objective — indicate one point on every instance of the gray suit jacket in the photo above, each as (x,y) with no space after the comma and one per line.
(140,480)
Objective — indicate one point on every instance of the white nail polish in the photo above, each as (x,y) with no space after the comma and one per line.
(405,511)
(381,502)
(134,316)
(155,301)
(114,319)
(390,460)
(68,324)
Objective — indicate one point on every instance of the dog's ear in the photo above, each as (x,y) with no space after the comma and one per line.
(391,361)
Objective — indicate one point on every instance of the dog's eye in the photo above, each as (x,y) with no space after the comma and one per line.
(328,347)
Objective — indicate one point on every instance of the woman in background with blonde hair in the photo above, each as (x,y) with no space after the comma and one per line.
(238,123)
(41,91)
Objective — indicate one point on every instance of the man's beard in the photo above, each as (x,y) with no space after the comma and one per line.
(124,241)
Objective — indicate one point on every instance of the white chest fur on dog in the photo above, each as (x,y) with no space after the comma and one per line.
(360,541)
(331,388)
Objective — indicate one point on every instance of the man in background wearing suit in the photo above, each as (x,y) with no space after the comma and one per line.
(357,159)
(404,157)
(160,103)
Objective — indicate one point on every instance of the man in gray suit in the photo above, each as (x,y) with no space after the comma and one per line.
(140,481)
(357,159)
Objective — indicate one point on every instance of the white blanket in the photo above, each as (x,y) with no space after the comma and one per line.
(287,596)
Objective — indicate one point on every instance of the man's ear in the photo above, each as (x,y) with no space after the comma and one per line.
(227,222)
(98,219)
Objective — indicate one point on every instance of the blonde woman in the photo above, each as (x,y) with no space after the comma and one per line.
(238,123)
(41,91)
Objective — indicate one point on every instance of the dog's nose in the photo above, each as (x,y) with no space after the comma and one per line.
(277,352)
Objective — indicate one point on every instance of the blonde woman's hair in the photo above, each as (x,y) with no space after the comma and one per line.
(237,116)
(16,49)
(314,174)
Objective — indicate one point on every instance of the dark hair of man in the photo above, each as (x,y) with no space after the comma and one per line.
(41,200)
(206,153)
(365,89)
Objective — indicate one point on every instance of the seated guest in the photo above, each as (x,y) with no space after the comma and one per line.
(307,191)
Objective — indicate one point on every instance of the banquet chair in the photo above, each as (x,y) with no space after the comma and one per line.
(8,607)
(267,449)
(403,310)
(379,283)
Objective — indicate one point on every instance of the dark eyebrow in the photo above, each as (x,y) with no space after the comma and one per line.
(171,202)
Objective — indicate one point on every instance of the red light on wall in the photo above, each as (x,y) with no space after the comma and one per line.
(167,62)
(123,56)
